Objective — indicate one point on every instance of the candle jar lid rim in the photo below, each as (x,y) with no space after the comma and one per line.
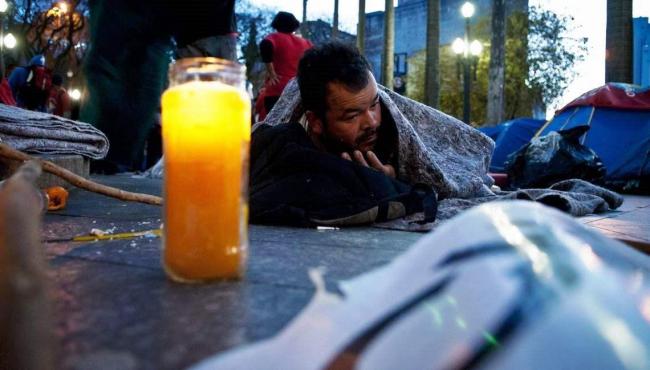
(206,69)
(207,62)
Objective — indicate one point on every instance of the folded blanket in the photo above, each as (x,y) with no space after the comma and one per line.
(42,133)
(453,158)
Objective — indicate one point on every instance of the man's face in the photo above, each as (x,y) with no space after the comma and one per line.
(351,120)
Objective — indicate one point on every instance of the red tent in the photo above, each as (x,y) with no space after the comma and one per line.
(614,95)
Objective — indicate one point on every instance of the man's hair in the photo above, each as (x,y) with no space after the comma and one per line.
(285,22)
(330,62)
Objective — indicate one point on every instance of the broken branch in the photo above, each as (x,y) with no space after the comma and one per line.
(78,181)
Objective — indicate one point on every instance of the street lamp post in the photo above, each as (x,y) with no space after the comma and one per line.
(468,58)
(467,51)
(3,9)
(468,11)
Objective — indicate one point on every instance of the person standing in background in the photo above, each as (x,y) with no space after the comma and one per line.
(280,52)
(58,102)
(30,85)
(205,30)
(126,67)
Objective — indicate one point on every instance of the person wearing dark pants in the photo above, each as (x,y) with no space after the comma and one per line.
(126,68)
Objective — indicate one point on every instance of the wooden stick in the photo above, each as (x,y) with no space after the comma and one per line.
(27,338)
(78,181)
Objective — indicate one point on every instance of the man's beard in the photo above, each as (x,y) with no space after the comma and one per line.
(337,146)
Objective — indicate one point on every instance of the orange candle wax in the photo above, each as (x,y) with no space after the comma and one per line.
(206,133)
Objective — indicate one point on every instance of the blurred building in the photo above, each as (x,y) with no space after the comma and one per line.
(411,28)
(641,51)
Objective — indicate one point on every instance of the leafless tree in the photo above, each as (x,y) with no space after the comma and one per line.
(361,26)
(432,74)
(45,27)
(303,26)
(496,81)
(387,60)
(335,21)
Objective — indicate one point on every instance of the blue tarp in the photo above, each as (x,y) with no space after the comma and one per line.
(492,131)
(621,138)
(509,137)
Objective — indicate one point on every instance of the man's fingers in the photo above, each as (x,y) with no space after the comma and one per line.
(389,171)
(374,161)
(346,156)
(358,156)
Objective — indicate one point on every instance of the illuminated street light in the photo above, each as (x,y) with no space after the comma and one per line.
(467,53)
(75,94)
(458,46)
(467,10)
(9,41)
(3,9)
(476,48)
(63,7)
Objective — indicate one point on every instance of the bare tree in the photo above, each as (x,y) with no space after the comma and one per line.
(618,58)
(59,32)
(496,88)
(388,57)
(303,26)
(432,74)
(335,22)
(361,26)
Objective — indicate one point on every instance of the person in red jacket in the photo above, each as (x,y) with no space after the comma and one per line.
(58,102)
(6,96)
(281,52)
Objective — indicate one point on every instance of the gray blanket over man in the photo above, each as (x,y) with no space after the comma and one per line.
(42,133)
(453,158)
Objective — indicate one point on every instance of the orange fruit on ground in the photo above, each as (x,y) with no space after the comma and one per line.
(57,197)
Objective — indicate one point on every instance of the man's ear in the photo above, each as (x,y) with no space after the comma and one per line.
(315,123)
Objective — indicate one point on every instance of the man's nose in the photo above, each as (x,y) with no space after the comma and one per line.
(370,120)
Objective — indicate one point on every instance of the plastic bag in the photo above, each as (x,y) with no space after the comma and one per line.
(554,157)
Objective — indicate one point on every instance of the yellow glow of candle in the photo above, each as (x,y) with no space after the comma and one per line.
(206,133)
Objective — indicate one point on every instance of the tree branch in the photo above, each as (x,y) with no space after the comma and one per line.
(80,182)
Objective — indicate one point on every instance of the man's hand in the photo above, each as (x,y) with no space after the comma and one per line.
(271,77)
(370,160)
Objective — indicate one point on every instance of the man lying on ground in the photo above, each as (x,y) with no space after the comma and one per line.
(343,162)
(363,153)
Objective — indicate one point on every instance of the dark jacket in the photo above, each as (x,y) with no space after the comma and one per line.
(294,183)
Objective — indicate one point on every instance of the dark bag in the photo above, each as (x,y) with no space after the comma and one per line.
(293,183)
(36,90)
(549,159)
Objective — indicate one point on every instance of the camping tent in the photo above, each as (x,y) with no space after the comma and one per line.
(619,120)
(509,137)
(492,131)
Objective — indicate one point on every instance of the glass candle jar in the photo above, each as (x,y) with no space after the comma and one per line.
(206,135)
